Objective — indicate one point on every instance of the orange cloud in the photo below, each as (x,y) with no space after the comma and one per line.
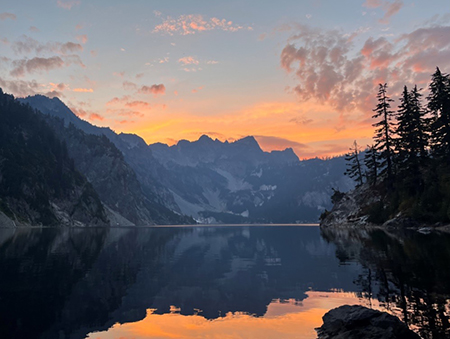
(95,116)
(189,60)
(153,89)
(83,90)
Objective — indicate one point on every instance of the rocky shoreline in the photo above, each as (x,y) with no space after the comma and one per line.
(355,322)
(351,210)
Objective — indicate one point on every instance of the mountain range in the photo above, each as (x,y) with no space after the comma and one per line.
(207,180)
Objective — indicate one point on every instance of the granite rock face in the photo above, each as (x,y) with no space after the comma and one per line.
(356,322)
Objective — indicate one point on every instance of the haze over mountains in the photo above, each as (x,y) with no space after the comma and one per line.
(208,180)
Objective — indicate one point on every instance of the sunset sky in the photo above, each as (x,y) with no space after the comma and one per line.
(300,73)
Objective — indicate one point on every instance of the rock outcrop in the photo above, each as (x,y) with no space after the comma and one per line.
(357,322)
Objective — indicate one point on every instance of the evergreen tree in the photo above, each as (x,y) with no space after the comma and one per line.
(354,169)
(439,107)
(372,165)
(412,138)
(383,132)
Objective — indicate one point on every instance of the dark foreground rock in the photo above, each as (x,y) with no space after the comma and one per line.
(356,322)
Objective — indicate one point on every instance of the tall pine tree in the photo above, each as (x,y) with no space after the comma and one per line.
(354,169)
(412,137)
(439,107)
(372,165)
(384,143)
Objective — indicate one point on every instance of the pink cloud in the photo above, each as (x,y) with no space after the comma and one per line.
(6,15)
(389,8)
(82,38)
(189,60)
(141,104)
(153,89)
(194,23)
(67,4)
(328,71)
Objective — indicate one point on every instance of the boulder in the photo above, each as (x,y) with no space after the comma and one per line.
(356,322)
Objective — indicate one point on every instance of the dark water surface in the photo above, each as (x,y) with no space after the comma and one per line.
(215,282)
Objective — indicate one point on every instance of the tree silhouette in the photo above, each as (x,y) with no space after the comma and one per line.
(372,165)
(354,165)
(439,107)
(384,132)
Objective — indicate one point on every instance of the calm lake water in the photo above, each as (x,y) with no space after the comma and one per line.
(215,282)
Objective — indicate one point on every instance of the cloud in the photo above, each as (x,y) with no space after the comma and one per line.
(95,116)
(29,45)
(119,74)
(195,90)
(82,38)
(130,86)
(83,90)
(138,104)
(6,15)
(301,120)
(116,100)
(194,23)
(20,88)
(139,75)
(33,29)
(189,60)
(277,143)
(153,89)
(328,70)
(37,64)
(389,8)
(68,4)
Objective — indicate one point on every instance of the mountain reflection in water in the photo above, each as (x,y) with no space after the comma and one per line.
(248,281)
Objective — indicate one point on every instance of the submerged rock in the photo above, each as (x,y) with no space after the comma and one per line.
(356,322)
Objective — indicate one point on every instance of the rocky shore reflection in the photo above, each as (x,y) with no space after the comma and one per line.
(406,271)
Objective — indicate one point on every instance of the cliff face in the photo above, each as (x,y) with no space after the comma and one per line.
(113,179)
(39,184)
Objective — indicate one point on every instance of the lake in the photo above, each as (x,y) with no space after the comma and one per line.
(271,281)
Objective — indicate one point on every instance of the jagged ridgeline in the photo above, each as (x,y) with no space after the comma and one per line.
(47,166)
(405,175)
(39,184)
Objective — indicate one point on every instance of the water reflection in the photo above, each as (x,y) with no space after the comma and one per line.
(407,272)
(283,319)
(73,283)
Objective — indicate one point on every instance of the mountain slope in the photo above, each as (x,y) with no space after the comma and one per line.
(114,180)
(134,149)
(38,181)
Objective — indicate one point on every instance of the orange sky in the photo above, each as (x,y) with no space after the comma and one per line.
(302,75)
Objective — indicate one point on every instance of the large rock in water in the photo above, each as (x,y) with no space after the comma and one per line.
(356,322)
